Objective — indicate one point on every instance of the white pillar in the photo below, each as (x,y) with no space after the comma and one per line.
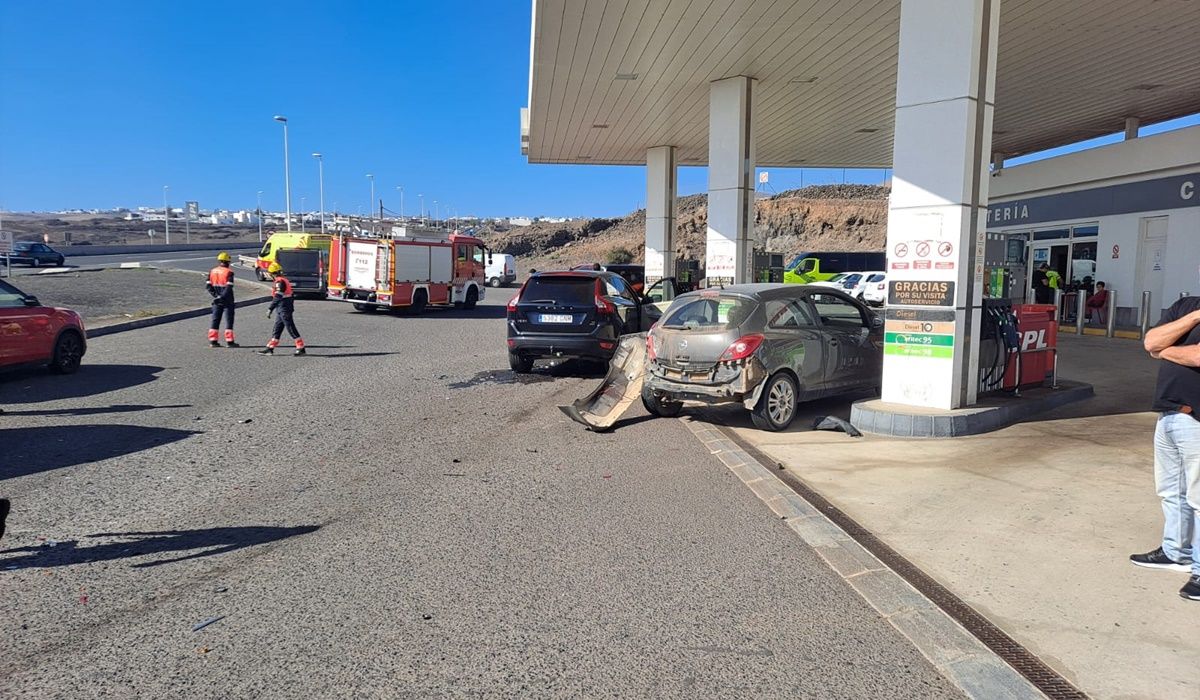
(728,254)
(937,214)
(661,187)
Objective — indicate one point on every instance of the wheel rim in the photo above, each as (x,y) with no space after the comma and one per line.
(781,401)
(68,352)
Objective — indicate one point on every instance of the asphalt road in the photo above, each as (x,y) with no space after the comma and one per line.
(199,260)
(395,515)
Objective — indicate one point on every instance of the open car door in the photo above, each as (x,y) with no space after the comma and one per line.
(655,301)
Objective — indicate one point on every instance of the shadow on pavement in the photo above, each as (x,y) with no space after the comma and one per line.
(32,450)
(100,410)
(198,543)
(36,386)
(354,354)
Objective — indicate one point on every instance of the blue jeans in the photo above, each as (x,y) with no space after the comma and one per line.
(1177,478)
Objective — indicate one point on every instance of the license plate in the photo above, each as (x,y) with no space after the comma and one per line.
(557,318)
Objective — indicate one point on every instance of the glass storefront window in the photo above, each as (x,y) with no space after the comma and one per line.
(1050,235)
(1086,231)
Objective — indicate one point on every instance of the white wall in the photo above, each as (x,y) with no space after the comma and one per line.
(1163,155)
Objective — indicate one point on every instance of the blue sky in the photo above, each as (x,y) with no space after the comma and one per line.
(103,103)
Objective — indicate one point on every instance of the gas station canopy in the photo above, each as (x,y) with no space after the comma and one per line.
(609,80)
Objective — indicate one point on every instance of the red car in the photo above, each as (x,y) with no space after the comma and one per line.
(32,334)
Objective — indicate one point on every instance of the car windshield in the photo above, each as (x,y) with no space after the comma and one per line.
(708,313)
(571,290)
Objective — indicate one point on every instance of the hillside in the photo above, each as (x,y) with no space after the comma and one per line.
(821,217)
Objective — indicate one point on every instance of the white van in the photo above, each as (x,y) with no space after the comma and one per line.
(501,270)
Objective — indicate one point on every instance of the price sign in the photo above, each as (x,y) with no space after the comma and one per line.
(6,242)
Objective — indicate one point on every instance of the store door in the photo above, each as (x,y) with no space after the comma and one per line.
(1152,263)
(1056,257)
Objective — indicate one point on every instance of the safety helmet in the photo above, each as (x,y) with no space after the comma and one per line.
(223,257)
(274,268)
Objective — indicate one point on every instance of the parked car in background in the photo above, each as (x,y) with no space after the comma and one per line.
(501,270)
(875,293)
(36,254)
(856,283)
(835,281)
(32,334)
(574,313)
(765,346)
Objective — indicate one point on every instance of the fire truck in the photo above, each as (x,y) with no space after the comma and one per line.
(410,268)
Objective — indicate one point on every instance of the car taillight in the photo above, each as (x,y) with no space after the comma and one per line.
(604,306)
(512,303)
(650,353)
(881,285)
(742,348)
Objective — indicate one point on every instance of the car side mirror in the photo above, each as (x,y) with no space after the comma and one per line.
(32,301)
(876,321)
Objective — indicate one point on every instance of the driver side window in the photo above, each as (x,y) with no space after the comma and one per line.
(617,287)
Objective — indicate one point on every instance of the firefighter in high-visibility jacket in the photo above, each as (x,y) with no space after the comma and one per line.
(220,287)
(283,304)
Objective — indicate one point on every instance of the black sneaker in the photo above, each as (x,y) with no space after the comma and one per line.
(301,351)
(1191,589)
(213,344)
(1159,560)
(5,506)
(232,344)
(266,351)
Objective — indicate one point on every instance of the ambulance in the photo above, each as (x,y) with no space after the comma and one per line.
(411,268)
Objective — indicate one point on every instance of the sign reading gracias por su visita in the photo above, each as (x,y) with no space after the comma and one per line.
(917,293)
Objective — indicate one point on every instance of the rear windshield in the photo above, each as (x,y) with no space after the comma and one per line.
(297,260)
(567,290)
(709,313)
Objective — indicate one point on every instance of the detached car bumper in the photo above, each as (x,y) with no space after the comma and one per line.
(741,383)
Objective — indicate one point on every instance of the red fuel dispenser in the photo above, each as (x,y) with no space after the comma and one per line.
(1037,354)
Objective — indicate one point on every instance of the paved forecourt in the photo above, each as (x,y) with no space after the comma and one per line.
(395,514)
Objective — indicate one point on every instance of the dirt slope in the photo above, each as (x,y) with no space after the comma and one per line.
(822,217)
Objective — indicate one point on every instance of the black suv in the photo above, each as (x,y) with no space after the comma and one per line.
(574,313)
(34,254)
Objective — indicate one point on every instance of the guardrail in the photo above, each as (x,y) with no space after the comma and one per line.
(72,251)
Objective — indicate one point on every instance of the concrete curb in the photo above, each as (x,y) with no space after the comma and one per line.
(952,650)
(166,318)
(874,416)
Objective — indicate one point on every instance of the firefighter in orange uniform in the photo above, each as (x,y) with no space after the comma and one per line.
(220,287)
(284,301)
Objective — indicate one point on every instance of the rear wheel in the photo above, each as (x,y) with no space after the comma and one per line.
(494,282)
(68,353)
(777,407)
(659,406)
(521,364)
(418,303)
(472,298)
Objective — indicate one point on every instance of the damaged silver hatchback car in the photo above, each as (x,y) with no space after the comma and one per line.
(766,346)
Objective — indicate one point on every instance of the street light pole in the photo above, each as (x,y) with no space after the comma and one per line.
(167,214)
(401,188)
(372,208)
(302,215)
(437,215)
(287,177)
(422,198)
(260,216)
(321,182)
